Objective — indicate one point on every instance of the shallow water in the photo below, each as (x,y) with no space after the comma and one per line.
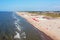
(9,27)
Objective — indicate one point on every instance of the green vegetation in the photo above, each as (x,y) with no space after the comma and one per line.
(51,14)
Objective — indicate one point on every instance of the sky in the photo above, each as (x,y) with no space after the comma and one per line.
(29,5)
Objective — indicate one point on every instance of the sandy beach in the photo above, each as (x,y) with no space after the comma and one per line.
(50,27)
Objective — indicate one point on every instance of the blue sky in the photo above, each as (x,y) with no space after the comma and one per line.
(29,5)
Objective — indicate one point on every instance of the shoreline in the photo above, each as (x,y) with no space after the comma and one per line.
(31,21)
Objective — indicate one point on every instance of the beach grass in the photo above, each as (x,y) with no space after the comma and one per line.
(54,14)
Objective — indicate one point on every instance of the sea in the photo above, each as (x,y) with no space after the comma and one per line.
(14,27)
(10,28)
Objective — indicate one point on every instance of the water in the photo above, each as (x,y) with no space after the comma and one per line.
(10,28)
(14,27)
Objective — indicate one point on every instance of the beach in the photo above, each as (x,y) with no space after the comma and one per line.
(50,27)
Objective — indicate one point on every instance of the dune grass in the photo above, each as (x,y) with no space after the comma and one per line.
(47,14)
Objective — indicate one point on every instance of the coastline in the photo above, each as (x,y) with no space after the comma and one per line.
(31,21)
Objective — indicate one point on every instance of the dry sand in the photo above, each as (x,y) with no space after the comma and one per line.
(50,27)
